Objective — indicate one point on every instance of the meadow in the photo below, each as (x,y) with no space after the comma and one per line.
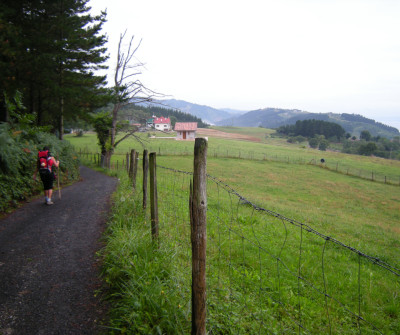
(359,213)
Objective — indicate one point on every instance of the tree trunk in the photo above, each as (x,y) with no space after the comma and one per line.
(114,124)
(61,124)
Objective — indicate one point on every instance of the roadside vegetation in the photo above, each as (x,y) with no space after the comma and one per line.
(20,142)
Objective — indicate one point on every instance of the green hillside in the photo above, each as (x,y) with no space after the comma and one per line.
(275,117)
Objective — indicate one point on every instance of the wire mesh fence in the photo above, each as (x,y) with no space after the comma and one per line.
(269,274)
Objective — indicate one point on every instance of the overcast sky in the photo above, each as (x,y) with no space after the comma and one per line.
(314,55)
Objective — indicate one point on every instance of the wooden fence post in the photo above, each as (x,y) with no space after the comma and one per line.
(145,173)
(127,163)
(198,222)
(153,196)
(135,165)
(131,163)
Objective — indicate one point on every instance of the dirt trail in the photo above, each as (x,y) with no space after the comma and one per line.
(48,265)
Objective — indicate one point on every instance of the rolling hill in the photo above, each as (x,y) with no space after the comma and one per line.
(276,117)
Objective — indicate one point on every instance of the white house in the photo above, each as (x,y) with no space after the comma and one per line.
(162,123)
(185,130)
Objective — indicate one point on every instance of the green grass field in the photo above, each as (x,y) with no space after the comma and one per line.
(357,212)
(360,212)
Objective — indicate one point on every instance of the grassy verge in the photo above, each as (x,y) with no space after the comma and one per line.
(145,287)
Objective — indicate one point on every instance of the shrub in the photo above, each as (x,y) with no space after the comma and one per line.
(313,142)
(18,156)
(323,145)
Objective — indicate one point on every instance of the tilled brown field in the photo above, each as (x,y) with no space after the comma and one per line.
(221,134)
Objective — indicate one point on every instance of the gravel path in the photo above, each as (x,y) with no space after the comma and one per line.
(48,264)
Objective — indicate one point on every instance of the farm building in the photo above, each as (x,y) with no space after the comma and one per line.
(185,130)
(162,123)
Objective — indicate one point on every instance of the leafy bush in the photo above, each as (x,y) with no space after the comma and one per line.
(18,156)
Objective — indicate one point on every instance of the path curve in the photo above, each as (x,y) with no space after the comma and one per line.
(48,266)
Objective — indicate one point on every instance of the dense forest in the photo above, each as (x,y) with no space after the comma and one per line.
(49,52)
(311,128)
(363,119)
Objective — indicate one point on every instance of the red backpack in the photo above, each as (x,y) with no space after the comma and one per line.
(44,160)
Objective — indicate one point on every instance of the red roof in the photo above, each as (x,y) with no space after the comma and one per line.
(187,126)
(162,119)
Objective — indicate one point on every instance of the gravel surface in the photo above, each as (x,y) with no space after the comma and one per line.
(49,271)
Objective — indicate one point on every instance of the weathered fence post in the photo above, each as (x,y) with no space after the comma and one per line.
(131,163)
(135,165)
(145,173)
(127,163)
(198,222)
(153,196)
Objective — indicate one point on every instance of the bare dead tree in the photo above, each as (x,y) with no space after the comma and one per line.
(127,88)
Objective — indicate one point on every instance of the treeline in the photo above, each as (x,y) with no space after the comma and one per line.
(49,51)
(320,134)
(311,128)
(142,113)
(376,146)
(360,118)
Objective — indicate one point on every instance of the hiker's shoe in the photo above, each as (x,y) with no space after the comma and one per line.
(49,202)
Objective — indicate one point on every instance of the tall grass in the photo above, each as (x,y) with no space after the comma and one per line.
(145,289)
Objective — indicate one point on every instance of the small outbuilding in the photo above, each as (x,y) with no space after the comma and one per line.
(185,130)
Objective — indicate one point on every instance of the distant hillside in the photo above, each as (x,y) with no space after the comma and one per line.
(274,118)
(207,114)
(267,118)
(140,113)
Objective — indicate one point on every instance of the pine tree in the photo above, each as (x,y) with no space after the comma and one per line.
(58,48)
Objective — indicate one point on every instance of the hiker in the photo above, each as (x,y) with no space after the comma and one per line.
(45,165)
